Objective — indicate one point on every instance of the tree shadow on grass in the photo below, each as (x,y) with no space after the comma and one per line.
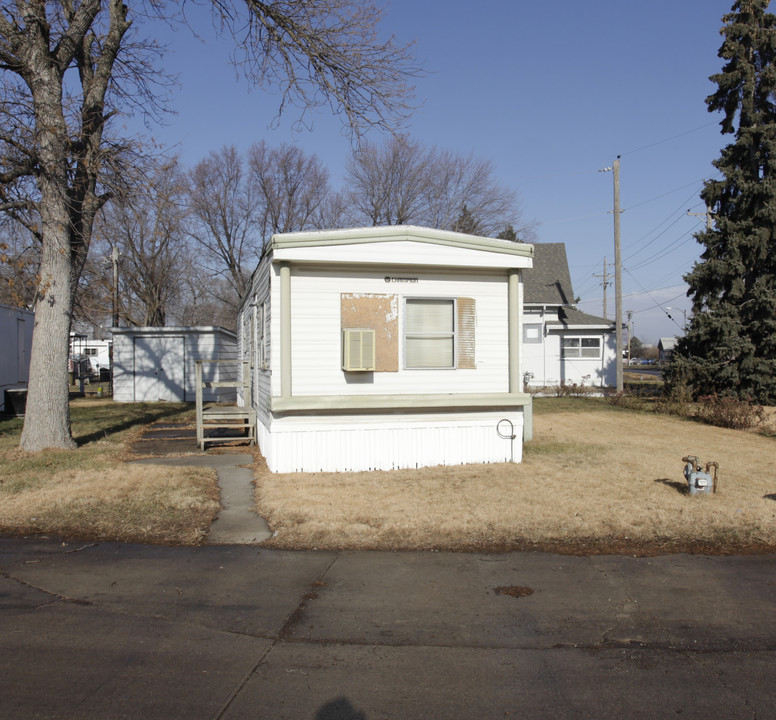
(143,418)
(680,487)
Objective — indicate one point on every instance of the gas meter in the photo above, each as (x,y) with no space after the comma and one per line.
(700,481)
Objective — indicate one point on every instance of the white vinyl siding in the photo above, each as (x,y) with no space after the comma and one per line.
(316,332)
(429,333)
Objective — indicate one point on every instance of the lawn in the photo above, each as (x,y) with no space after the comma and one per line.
(594,479)
(92,493)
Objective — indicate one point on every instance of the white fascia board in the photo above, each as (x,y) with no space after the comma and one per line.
(332,246)
(558,326)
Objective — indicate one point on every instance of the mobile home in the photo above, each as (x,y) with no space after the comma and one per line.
(386,347)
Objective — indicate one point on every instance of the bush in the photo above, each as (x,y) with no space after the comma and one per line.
(729,412)
(572,389)
(626,401)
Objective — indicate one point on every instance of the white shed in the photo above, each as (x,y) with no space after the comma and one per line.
(386,347)
(16,326)
(152,364)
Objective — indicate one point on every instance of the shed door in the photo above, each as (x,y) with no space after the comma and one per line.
(159,369)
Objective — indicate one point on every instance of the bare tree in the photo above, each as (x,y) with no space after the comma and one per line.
(388,184)
(145,222)
(291,188)
(465,181)
(69,67)
(403,182)
(19,261)
(324,52)
(334,212)
(224,217)
(52,157)
(198,300)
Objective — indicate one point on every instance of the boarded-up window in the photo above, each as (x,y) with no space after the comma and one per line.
(380,313)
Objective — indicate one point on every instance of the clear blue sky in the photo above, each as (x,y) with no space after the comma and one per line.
(551,92)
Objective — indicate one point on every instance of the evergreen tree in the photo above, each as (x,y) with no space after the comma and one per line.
(508,233)
(466,222)
(730,345)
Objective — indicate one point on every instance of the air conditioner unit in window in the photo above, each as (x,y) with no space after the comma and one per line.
(358,350)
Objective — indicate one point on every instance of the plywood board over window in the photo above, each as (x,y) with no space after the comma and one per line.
(380,313)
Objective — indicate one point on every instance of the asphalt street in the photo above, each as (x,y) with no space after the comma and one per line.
(239,632)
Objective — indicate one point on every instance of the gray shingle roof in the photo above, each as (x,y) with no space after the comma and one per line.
(568,316)
(548,282)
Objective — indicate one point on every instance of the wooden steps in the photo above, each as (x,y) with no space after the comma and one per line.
(219,422)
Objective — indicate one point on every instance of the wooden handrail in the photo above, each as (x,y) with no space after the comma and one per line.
(244,383)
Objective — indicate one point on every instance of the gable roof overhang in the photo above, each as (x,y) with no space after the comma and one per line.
(399,245)
(572,319)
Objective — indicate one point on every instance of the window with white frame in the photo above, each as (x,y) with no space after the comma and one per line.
(588,348)
(532,332)
(429,333)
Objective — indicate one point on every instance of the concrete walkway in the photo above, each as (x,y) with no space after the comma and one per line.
(237,522)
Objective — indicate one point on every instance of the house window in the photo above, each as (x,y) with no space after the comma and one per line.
(581,347)
(429,333)
(532,332)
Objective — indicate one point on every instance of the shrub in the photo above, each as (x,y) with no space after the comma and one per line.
(729,412)
(572,389)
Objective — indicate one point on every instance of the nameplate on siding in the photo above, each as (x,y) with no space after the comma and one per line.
(396,279)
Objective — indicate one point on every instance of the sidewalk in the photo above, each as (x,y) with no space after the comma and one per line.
(175,443)
(237,632)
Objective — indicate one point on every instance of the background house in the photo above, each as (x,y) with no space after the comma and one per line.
(16,326)
(562,345)
(386,347)
(665,348)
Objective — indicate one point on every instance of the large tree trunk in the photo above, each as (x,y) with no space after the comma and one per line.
(47,419)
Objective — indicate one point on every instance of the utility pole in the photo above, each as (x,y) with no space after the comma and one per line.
(605,283)
(629,313)
(114,256)
(617,270)
(617,273)
(708,215)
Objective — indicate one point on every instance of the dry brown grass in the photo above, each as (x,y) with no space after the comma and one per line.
(91,493)
(593,481)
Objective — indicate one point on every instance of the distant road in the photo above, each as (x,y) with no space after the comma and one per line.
(650,370)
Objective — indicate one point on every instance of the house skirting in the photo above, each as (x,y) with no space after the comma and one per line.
(323,442)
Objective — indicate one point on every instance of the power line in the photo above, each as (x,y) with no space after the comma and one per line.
(655,302)
(669,139)
(665,194)
(674,245)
